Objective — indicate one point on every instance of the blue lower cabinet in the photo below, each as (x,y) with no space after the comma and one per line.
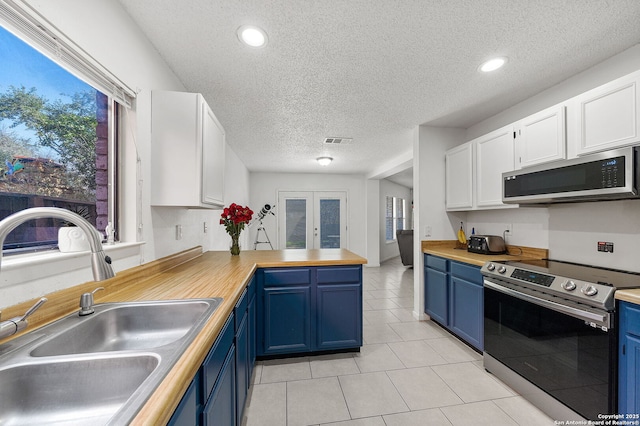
(309,309)
(251,331)
(629,359)
(454,297)
(242,367)
(286,320)
(338,324)
(187,413)
(220,410)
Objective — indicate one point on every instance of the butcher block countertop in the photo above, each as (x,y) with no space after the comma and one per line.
(186,275)
(632,296)
(446,249)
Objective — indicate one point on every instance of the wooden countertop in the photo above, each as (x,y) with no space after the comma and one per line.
(186,275)
(632,296)
(446,249)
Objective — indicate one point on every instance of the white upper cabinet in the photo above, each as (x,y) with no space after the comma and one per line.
(494,155)
(459,177)
(607,116)
(541,137)
(187,152)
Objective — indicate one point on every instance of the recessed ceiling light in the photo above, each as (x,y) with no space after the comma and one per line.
(324,161)
(252,36)
(492,64)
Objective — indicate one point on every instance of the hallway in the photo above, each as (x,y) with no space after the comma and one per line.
(408,373)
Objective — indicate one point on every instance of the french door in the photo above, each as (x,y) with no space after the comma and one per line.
(312,219)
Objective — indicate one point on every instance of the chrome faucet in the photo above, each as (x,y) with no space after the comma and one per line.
(12,326)
(100,263)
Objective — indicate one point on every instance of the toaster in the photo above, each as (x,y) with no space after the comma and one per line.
(486,244)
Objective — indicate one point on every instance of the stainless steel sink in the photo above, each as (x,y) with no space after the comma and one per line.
(96,369)
(125,327)
(71,392)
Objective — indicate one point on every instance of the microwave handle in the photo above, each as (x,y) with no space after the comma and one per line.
(603,320)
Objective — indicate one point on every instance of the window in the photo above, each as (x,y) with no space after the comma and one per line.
(56,142)
(395,217)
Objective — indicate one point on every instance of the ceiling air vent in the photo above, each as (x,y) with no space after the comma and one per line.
(338,141)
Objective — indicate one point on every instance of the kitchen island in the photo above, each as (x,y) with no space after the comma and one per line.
(186,275)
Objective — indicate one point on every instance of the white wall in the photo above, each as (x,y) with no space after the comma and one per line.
(388,249)
(529,226)
(429,147)
(264,189)
(103,30)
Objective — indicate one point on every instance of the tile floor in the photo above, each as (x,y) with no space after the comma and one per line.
(407,373)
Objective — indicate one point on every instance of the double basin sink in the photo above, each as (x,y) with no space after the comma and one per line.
(96,369)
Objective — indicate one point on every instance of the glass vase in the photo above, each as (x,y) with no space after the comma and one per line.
(235,245)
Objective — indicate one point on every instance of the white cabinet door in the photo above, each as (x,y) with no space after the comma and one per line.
(494,155)
(213,158)
(459,177)
(607,116)
(187,152)
(541,137)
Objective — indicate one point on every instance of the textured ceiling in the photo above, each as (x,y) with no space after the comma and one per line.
(372,70)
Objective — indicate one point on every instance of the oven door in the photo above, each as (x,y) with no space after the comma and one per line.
(559,353)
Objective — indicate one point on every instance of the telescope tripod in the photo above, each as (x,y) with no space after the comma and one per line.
(257,241)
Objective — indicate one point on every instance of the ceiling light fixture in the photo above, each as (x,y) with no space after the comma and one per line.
(324,161)
(252,36)
(493,64)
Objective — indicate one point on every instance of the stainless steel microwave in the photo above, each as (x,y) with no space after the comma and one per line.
(610,175)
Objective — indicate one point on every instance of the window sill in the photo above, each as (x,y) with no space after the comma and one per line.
(115,251)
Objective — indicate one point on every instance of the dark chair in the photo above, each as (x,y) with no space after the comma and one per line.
(405,244)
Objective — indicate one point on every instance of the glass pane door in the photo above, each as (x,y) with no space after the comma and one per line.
(312,219)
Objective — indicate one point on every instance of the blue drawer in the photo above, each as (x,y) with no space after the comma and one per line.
(631,317)
(251,289)
(466,272)
(347,274)
(214,361)
(436,262)
(278,277)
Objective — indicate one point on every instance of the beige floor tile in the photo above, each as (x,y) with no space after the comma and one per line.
(377,357)
(333,365)
(303,407)
(403,314)
(404,302)
(421,388)
(382,304)
(383,294)
(282,370)
(471,383)
(523,412)
(371,394)
(452,350)
(416,353)
(267,405)
(484,413)
(367,421)
(379,333)
(416,330)
(417,418)
(383,316)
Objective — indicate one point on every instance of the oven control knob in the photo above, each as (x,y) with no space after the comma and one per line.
(569,285)
(589,290)
(491,267)
(502,269)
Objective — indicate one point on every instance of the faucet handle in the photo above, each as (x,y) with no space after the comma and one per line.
(86,302)
(33,308)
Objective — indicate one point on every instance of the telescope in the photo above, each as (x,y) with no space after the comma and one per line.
(264,211)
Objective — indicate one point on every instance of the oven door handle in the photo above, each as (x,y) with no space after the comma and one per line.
(603,320)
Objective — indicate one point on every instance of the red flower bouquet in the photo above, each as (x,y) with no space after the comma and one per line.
(234,218)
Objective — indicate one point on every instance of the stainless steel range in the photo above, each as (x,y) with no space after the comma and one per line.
(550,333)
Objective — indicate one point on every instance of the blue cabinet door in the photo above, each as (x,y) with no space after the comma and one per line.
(436,295)
(629,359)
(287,320)
(466,309)
(221,408)
(187,412)
(252,335)
(338,316)
(242,367)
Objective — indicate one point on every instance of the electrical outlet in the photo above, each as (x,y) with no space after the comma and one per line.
(178,232)
(427,231)
(204,227)
(509,228)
